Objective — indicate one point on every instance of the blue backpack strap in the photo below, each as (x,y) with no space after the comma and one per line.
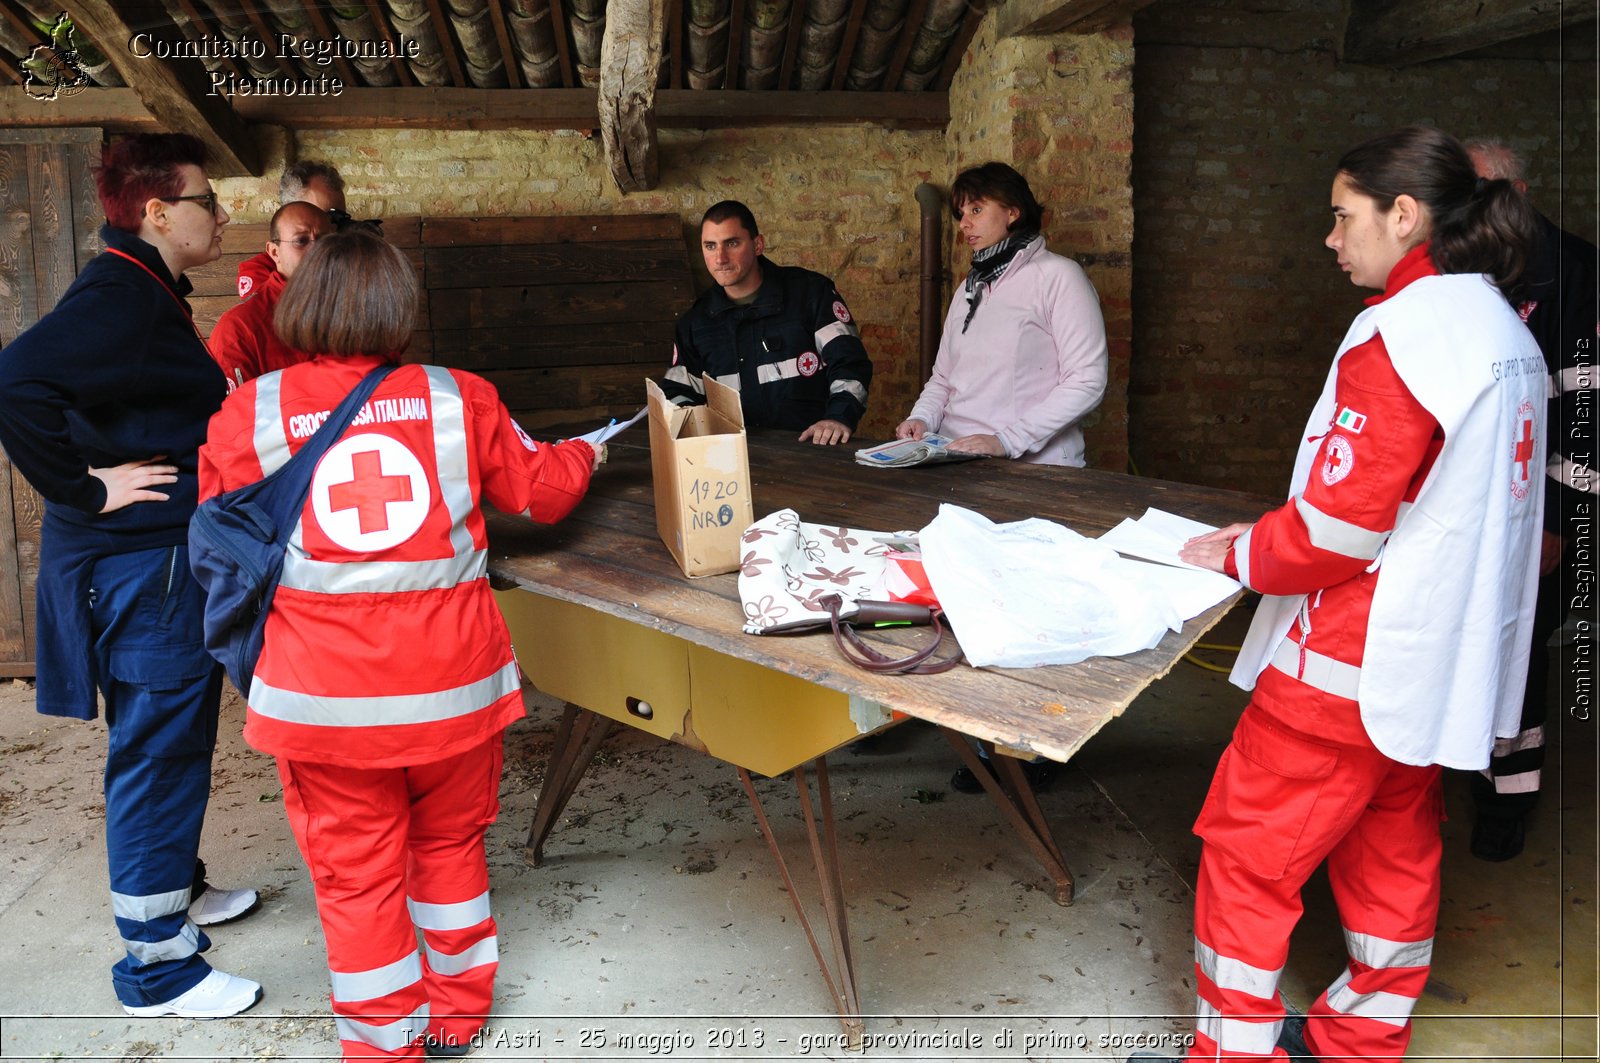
(327,435)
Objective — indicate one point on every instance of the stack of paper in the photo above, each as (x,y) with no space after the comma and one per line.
(902,452)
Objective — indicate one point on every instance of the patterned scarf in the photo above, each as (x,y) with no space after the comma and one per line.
(989,265)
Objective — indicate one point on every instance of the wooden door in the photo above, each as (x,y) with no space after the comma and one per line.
(51,218)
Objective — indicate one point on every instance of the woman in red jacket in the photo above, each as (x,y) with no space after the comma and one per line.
(386,676)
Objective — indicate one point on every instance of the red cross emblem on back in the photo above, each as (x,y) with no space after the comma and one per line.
(370,492)
(1524,451)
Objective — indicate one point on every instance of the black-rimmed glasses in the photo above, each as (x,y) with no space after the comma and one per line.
(207,200)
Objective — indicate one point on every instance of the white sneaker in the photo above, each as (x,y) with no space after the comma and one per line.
(216,997)
(223,906)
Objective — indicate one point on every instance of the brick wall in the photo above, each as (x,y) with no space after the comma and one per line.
(836,200)
(1060,110)
(1240,117)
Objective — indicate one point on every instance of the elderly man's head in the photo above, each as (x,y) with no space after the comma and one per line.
(1496,161)
(313,182)
(295,227)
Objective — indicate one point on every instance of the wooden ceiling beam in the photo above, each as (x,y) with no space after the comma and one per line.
(122,110)
(902,49)
(508,52)
(1045,18)
(847,45)
(447,43)
(730,68)
(1392,33)
(675,20)
(196,19)
(324,28)
(558,29)
(23,25)
(177,94)
(269,37)
(958,47)
(791,46)
(380,20)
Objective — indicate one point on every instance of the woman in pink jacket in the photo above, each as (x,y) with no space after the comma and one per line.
(1023,358)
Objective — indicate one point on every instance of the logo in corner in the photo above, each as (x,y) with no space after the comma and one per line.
(54,71)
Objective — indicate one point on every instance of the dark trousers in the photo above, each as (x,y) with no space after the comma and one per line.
(161,691)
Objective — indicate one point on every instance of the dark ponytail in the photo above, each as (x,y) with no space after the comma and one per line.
(1477,225)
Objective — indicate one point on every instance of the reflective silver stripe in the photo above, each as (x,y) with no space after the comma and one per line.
(832,331)
(680,375)
(1237,1035)
(352,986)
(151,906)
(450,455)
(1374,951)
(1577,476)
(1532,738)
(1241,555)
(1229,973)
(391,1037)
(1339,536)
(329,711)
(772,371)
(1389,1008)
(457,916)
(383,577)
(272,445)
(181,947)
(1577,378)
(1320,671)
(485,951)
(731,380)
(854,387)
(1524,782)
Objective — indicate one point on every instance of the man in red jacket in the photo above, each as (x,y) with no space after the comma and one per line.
(317,183)
(244,343)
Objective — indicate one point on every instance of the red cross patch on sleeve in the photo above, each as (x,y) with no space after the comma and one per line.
(841,311)
(1338,461)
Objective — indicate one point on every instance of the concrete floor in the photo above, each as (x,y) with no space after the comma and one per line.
(659,927)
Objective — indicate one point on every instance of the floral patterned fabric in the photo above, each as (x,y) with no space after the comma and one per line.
(787,565)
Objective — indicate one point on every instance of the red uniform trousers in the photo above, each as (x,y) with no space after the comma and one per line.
(1281,802)
(392,851)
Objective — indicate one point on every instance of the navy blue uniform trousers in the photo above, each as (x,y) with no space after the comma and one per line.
(161,691)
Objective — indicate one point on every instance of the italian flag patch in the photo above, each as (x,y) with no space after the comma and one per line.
(1350,421)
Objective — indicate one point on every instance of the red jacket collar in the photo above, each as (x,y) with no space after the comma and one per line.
(1414,264)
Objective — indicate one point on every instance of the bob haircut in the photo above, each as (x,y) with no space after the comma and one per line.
(999,182)
(718,213)
(140,168)
(1475,225)
(353,293)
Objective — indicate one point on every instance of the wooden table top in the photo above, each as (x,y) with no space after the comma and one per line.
(607,556)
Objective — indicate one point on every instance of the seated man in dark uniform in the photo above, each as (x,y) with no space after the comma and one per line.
(779,335)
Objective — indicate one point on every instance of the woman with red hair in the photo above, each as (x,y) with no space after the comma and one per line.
(103,407)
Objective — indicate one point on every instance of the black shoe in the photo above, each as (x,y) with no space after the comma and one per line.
(965,782)
(1038,772)
(1292,1038)
(440,1050)
(1498,838)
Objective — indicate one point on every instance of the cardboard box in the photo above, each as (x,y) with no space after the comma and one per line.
(701,469)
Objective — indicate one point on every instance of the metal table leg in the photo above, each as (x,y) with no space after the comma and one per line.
(578,739)
(840,976)
(1014,794)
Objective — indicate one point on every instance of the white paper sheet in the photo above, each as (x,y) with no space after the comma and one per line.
(610,431)
(1157,536)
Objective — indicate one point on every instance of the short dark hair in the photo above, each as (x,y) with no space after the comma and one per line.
(292,185)
(731,208)
(999,182)
(1475,225)
(353,293)
(140,168)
